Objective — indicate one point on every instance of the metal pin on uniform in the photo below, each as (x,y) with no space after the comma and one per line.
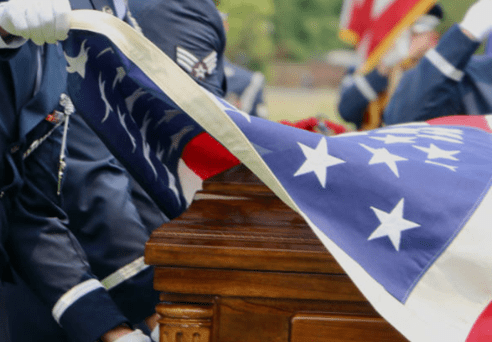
(68,109)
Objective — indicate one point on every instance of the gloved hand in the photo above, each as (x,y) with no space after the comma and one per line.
(135,336)
(399,52)
(477,20)
(155,335)
(42,21)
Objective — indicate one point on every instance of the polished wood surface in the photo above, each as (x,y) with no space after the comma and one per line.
(252,270)
(184,323)
(341,328)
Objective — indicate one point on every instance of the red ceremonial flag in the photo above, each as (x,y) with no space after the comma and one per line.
(373,25)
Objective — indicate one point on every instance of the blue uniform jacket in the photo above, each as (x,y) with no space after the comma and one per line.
(190,32)
(245,89)
(111,218)
(42,250)
(448,80)
(21,113)
(356,92)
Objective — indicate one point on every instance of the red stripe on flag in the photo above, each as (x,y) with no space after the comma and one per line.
(206,157)
(478,121)
(482,329)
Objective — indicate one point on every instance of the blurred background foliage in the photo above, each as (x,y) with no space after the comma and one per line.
(273,35)
(266,31)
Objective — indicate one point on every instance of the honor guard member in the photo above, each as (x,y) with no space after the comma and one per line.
(363,97)
(449,80)
(245,89)
(191,33)
(44,253)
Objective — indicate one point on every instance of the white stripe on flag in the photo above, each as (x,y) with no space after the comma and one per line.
(488,118)
(190,181)
(346,14)
(429,315)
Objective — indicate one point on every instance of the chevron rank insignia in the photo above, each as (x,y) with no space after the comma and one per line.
(193,65)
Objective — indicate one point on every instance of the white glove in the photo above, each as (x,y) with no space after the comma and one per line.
(42,21)
(399,52)
(135,336)
(155,335)
(477,19)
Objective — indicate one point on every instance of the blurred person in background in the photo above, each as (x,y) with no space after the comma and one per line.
(364,97)
(450,79)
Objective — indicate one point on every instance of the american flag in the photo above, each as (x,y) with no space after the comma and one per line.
(373,25)
(404,209)
(166,151)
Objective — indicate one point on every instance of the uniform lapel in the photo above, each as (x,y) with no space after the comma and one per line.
(24,70)
(53,83)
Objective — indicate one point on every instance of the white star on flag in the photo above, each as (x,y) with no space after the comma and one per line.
(382,155)
(77,64)
(400,130)
(349,134)
(393,139)
(392,224)
(317,161)
(435,152)
(107,105)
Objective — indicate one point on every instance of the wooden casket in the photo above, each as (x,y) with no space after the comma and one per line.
(241,266)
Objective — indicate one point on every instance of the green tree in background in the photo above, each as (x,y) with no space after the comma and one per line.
(453,12)
(262,31)
(250,39)
(306,29)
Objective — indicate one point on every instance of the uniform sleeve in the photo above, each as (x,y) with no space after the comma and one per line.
(252,97)
(260,108)
(356,92)
(431,88)
(101,198)
(48,256)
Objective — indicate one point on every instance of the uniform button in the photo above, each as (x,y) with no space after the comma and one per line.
(14,149)
(108,10)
